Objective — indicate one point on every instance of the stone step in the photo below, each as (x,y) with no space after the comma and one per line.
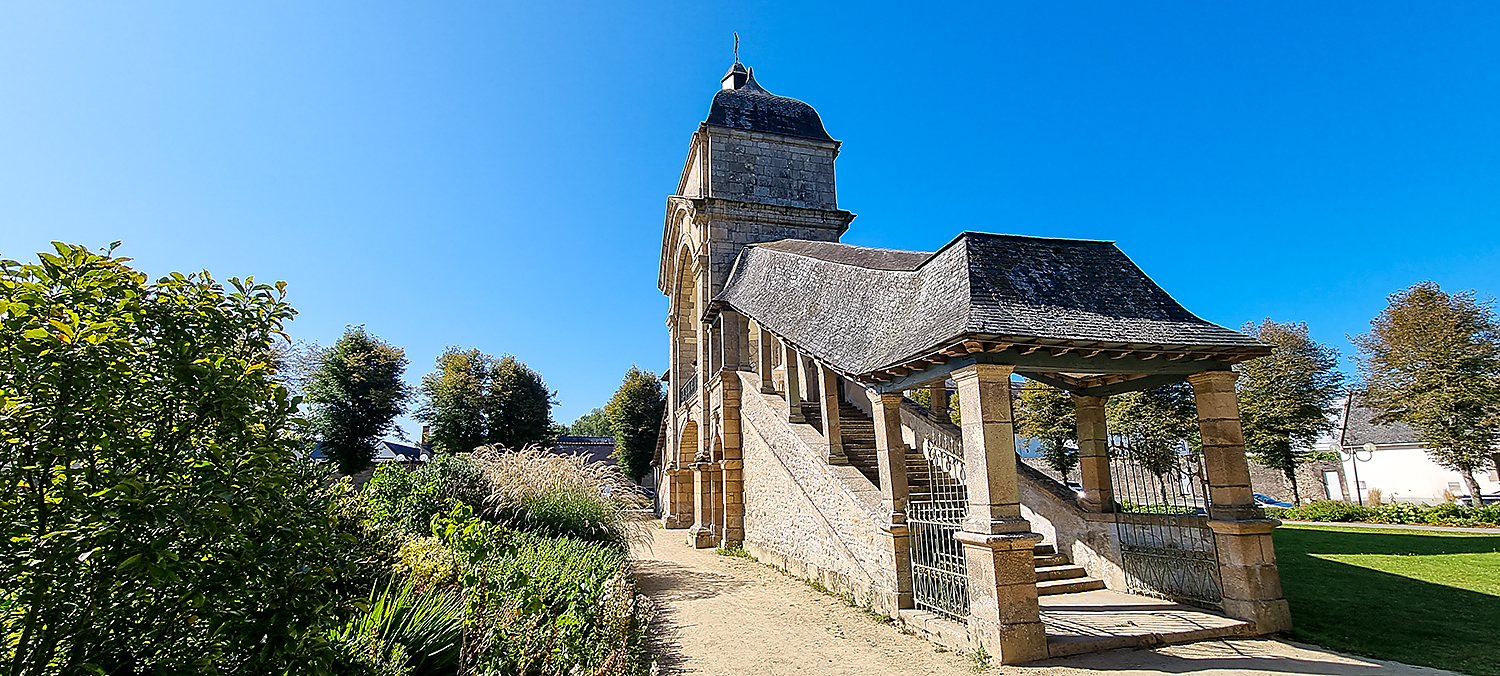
(1051,587)
(1050,560)
(1045,549)
(1066,571)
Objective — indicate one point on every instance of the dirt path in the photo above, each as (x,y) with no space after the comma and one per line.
(726,615)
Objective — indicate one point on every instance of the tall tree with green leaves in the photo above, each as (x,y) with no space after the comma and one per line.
(155,517)
(473,399)
(356,392)
(635,415)
(1156,422)
(1432,360)
(1286,399)
(595,423)
(1047,413)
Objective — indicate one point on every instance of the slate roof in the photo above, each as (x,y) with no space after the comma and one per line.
(1359,428)
(860,309)
(752,108)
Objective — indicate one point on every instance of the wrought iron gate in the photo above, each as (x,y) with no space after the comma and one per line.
(936,505)
(1166,547)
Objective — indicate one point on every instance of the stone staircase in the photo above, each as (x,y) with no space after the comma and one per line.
(856,430)
(1056,574)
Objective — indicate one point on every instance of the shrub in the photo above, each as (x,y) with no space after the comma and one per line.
(1401,512)
(155,519)
(428,563)
(406,498)
(1323,510)
(560,495)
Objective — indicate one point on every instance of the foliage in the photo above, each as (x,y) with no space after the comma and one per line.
(557,495)
(1047,413)
(155,518)
(474,399)
(419,629)
(1421,598)
(1156,422)
(405,499)
(1432,360)
(356,390)
(1396,512)
(1286,398)
(428,563)
(924,397)
(635,415)
(592,424)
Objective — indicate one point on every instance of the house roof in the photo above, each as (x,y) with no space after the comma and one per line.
(1360,428)
(860,310)
(751,108)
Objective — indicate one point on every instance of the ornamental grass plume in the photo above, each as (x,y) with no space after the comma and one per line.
(561,495)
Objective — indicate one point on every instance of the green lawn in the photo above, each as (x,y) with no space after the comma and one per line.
(1417,597)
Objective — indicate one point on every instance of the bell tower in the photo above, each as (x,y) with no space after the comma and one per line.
(759,169)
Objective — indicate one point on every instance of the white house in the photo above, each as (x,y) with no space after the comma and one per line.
(1398,467)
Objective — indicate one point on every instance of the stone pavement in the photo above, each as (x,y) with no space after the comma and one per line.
(726,615)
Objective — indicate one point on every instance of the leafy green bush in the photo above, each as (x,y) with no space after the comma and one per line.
(155,519)
(406,498)
(1447,514)
(428,563)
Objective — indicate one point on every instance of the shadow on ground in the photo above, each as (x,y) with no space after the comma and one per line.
(1237,656)
(665,582)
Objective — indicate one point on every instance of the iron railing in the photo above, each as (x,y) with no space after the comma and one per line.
(688,389)
(1167,549)
(937,503)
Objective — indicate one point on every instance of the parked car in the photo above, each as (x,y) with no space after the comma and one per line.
(1485,498)
(1262,500)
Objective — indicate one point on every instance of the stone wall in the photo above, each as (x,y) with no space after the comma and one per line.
(771,169)
(816,521)
(1274,484)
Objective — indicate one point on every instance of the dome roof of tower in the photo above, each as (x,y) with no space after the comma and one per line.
(751,108)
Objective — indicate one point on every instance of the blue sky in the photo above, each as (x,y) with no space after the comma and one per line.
(494,176)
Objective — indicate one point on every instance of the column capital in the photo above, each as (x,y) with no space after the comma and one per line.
(972,371)
(891,398)
(1212,378)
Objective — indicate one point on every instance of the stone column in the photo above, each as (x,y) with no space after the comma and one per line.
(938,396)
(1093,455)
(890,451)
(731,340)
(998,543)
(1247,557)
(767,383)
(793,384)
(704,533)
(731,466)
(828,400)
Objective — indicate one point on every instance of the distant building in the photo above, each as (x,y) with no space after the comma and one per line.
(391,451)
(1399,467)
(596,449)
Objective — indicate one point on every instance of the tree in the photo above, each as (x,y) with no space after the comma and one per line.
(1286,398)
(592,424)
(155,517)
(1156,422)
(635,418)
(356,391)
(473,399)
(1047,413)
(1432,360)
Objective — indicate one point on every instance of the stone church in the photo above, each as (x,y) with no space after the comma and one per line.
(791,430)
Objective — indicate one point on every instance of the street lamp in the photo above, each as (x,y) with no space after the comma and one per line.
(1353,455)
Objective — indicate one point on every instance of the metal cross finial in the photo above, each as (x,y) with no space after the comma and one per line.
(736,47)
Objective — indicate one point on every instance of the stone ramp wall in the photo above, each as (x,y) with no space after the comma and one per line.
(816,521)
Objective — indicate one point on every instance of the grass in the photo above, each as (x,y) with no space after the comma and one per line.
(1418,597)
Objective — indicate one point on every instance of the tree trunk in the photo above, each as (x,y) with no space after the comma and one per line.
(1474,493)
(1296,495)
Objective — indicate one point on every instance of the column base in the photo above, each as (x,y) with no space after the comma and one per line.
(703,538)
(1004,615)
(1248,575)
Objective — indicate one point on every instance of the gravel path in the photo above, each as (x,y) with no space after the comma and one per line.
(726,615)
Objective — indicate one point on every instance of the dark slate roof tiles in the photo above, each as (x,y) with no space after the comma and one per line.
(752,108)
(860,309)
